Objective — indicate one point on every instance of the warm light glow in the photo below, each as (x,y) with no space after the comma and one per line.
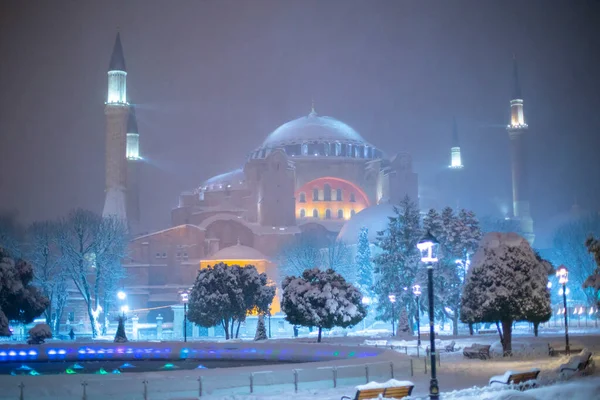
(322,195)
(133,146)
(428,246)
(185,296)
(117,87)
(121,295)
(560,292)
(455,159)
(392,298)
(125,309)
(366,300)
(517,117)
(563,275)
(549,285)
(416,290)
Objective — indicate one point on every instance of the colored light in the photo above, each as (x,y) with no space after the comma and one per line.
(2,354)
(33,372)
(62,351)
(200,367)
(91,351)
(77,366)
(51,352)
(116,371)
(32,353)
(102,371)
(12,353)
(69,371)
(81,351)
(22,353)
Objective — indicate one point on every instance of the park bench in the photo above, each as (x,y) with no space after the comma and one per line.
(480,351)
(376,343)
(578,363)
(450,347)
(390,389)
(524,379)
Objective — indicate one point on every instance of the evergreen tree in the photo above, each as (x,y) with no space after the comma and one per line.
(364,264)
(323,299)
(403,324)
(261,331)
(459,236)
(121,336)
(505,283)
(593,281)
(397,266)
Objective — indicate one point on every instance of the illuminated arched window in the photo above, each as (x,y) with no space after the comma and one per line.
(327,192)
(302,213)
(327,147)
(338,149)
(304,149)
(352,198)
(328,214)
(315,194)
(341,214)
(338,194)
(352,213)
(302,197)
(315,213)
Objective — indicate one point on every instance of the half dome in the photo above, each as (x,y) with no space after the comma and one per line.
(375,219)
(238,252)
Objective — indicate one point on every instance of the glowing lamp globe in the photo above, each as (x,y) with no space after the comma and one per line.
(184,297)
(416,290)
(562,273)
(125,309)
(121,295)
(392,298)
(428,246)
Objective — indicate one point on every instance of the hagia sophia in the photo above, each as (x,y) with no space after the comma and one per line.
(314,175)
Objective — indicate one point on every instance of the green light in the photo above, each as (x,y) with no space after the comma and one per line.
(169,366)
(351,354)
(33,372)
(337,353)
(102,371)
(69,371)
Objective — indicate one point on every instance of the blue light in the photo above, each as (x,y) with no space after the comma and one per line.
(91,351)
(62,351)
(81,351)
(22,353)
(2,354)
(51,352)
(31,353)
(12,353)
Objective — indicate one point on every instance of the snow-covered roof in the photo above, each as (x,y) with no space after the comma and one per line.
(238,252)
(373,218)
(313,127)
(234,178)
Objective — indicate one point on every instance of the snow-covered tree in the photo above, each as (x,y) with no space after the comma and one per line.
(459,236)
(593,281)
(92,248)
(51,276)
(569,247)
(11,234)
(20,301)
(364,264)
(39,333)
(338,257)
(494,224)
(323,299)
(121,335)
(397,266)
(505,283)
(404,328)
(301,254)
(224,295)
(261,331)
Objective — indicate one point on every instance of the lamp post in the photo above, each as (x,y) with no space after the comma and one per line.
(563,277)
(269,322)
(185,294)
(392,298)
(121,295)
(417,292)
(428,246)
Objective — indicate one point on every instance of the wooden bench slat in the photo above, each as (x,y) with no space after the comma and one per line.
(398,392)
(369,394)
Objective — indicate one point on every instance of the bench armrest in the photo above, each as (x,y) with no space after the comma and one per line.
(495,381)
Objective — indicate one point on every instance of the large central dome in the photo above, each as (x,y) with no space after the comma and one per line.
(312,128)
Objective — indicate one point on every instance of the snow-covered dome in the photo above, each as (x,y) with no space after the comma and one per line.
(374,218)
(229,180)
(238,252)
(313,127)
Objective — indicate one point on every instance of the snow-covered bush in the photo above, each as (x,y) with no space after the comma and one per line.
(121,336)
(19,300)
(506,282)
(224,295)
(261,331)
(323,299)
(39,333)
(593,281)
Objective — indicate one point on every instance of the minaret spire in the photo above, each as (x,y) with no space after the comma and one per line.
(455,157)
(117,59)
(312,108)
(517,128)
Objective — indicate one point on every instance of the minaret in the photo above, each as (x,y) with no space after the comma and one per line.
(132,153)
(455,158)
(516,132)
(117,113)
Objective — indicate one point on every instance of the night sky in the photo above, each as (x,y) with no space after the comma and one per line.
(211,79)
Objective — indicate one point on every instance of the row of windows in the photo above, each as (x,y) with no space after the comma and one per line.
(178,256)
(315,213)
(328,195)
(335,149)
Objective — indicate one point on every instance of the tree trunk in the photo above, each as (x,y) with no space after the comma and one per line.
(226,327)
(232,328)
(319,337)
(92,319)
(500,334)
(507,333)
(536,325)
(295,330)
(237,330)
(455,324)
(471,328)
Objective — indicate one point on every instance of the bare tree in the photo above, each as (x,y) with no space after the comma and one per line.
(338,257)
(300,255)
(50,275)
(11,233)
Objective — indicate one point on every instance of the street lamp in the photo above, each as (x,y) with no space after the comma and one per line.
(124,309)
(121,295)
(417,292)
(185,294)
(563,277)
(392,298)
(428,246)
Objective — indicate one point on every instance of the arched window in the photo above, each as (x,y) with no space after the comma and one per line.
(328,214)
(352,198)
(304,149)
(338,149)
(338,194)
(302,197)
(352,213)
(327,147)
(302,213)
(315,194)
(341,214)
(315,213)
(327,192)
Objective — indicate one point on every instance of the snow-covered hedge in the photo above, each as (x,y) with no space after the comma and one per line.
(39,333)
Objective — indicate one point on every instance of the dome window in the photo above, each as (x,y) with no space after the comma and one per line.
(302,197)
(341,214)
(338,149)
(315,213)
(304,149)
(315,194)
(327,192)
(352,198)
(339,194)
(328,214)
(326,148)
(302,213)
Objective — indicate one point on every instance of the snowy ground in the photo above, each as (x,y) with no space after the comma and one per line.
(459,378)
